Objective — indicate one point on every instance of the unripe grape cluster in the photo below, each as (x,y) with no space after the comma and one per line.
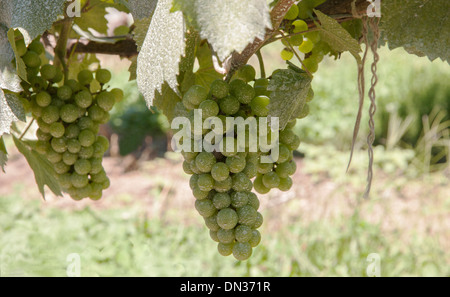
(68,115)
(222,180)
(300,37)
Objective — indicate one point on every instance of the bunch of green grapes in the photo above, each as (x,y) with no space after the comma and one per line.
(69,115)
(301,37)
(221,180)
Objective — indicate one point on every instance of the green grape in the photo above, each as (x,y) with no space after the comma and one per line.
(195,95)
(221,200)
(247,73)
(247,215)
(99,178)
(48,72)
(199,194)
(259,106)
(205,182)
(53,156)
(261,82)
(97,114)
(69,158)
(304,112)
(292,13)
(85,122)
(258,221)
(43,99)
(117,94)
(36,110)
(306,46)
(225,249)
(82,166)
(213,235)
(242,251)
(310,95)
(250,170)
(64,180)
(294,144)
(187,167)
(284,154)
(239,199)
(193,180)
(69,113)
(59,145)
(58,76)
(227,218)
(209,108)
(194,168)
(72,131)
(83,99)
(57,129)
(226,235)
(259,186)
(42,147)
(286,169)
(105,101)
(229,105)
(211,223)
(243,233)
(78,180)
(263,168)
(205,207)
(73,146)
(311,65)
(244,94)
(296,40)
(219,89)
(103,76)
(285,184)
(287,54)
(291,124)
(96,165)
(43,136)
(300,26)
(253,200)
(38,83)
(204,161)
(85,77)
(21,48)
(61,167)
(255,239)
(228,146)
(64,92)
(236,164)
(86,138)
(86,152)
(241,182)
(287,136)
(31,59)
(37,47)
(271,180)
(223,186)
(220,171)
(74,85)
(50,114)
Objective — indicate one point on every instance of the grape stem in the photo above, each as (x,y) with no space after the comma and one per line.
(26,129)
(261,64)
(61,46)
(295,53)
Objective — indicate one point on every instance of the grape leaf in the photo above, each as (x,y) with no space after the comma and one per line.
(421,27)
(336,36)
(3,154)
(289,89)
(8,75)
(20,64)
(161,51)
(166,101)
(94,17)
(206,72)
(34,16)
(227,25)
(141,9)
(11,110)
(44,173)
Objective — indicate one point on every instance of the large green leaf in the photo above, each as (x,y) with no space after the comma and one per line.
(289,89)
(3,154)
(11,110)
(44,173)
(8,74)
(141,9)
(336,36)
(206,72)
(421,27)
(161,52)
(34,16)
(228,25)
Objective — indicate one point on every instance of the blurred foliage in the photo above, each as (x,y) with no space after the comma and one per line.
(132,120)
(37,241)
